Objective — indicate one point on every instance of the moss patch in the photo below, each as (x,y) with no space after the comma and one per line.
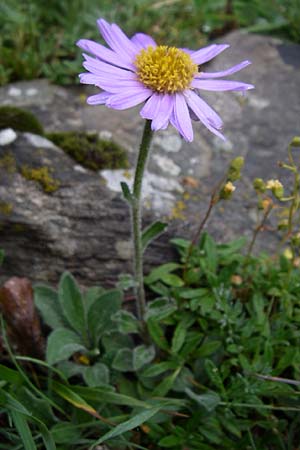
(8,163)
(90,151)
(20,120)
(43,176)
(6,208)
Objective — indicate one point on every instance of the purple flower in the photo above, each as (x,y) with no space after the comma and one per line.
(167,79)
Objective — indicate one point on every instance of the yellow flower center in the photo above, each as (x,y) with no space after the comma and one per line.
(165,69)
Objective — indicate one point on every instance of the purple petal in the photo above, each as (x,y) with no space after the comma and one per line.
(142,40)
(224,73)
(103,53)
(164,111)
(221,85)
(117,40)
(98,67)
(98,99)
(111,84)
(151,107)
(196,105)
(211,115)
(207,53)
(181,119)
(128,99)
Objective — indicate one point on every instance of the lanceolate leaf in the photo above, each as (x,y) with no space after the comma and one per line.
(71,303)
(101,312)
(130,424)
(152,232)
(46,300)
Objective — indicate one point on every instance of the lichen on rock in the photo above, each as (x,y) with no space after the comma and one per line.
(90,151)
(43,176)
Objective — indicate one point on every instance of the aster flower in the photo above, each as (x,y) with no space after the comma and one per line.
(167,79)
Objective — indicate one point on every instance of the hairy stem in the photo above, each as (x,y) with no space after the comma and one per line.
(137,219)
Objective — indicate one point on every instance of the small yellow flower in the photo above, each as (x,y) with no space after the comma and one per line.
(276,187)
(288,253)
(227,190)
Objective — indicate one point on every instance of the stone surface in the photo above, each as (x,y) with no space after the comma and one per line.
(84,227)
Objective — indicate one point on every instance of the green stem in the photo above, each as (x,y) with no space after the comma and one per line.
(137,219)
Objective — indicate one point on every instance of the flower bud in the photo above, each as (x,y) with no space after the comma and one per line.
(282,225)
(259,185)
(227,190)
(276,187)
(234,171)
(295,142)
(296,239)
(288,253)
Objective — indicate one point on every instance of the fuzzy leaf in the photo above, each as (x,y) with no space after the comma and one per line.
(142,355)
(126,322)
(71,302)
(62,343)
(123,360)
(152,232)
(96,375)
(101,312)
(46,300)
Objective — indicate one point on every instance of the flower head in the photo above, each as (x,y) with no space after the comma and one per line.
(166,79)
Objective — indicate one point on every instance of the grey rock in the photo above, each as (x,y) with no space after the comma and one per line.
(84,225)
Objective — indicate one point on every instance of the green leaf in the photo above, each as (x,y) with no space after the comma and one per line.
(96,375)
(152,232)
(10,375)
(214,374)
(91,295)
(15,407)
(157,334)
(65,433)
(179,337)
(160,271)
(126,322)
(157,369)
(126,192)
(209,401)
(23,429)
(72,397)
(71,303)
(101,312)
(208,348)
(172,280)
(170,441)
(160,308)
(106,394)
(61,344)
(142,355)
(123,360)
(163,388)
(209,246)
(130,424)
(46,300)
(2,254)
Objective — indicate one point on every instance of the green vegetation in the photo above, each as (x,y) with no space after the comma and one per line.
(214,363)
(20,120)
(38,41)
(90,151)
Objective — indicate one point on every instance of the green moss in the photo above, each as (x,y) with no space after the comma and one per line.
(6,208)
(90,151)
(43,176)
(20,120)
(19,227)
(8,163)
